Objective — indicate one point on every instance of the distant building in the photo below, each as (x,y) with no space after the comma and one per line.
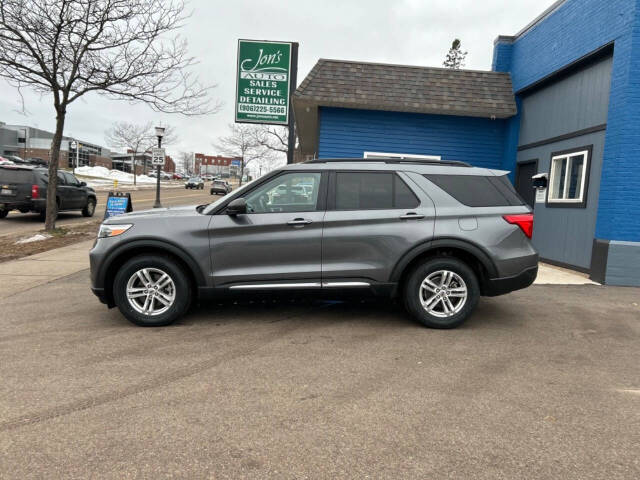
(215,164)
(124,162)
(30,142)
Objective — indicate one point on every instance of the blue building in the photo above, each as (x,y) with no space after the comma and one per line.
(562,99)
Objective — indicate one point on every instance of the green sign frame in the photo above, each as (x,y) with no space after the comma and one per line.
(263,82)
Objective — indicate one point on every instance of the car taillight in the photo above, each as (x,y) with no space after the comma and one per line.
(524,221)
(35,191)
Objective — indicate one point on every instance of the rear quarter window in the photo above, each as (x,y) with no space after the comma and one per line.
(8,175)
(478,191)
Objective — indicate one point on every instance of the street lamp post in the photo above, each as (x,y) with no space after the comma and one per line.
(159,134)
(76,145)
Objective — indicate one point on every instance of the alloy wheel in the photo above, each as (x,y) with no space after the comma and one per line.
(443,293)
(151,291)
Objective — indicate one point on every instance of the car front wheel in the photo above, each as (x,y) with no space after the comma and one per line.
(4,213)
(441,292)
(89,209)
(152,290)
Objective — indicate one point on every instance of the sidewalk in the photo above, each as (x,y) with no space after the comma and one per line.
(35,270)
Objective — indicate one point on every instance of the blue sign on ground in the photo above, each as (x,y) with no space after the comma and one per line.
(117,204)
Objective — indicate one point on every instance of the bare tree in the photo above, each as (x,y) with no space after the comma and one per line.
(132,137)
(241,143)
(272,137)
(125,49)
(186,161)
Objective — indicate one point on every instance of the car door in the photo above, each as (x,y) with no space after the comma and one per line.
(372,219)
(64,193)
(77,194)
(277,243)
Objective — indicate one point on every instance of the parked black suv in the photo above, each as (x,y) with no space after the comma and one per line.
(24,188)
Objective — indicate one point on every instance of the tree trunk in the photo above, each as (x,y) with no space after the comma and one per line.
(52,187)
(241,172)
(133,164)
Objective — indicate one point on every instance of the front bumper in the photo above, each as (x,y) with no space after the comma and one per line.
(499,286)
(101,294)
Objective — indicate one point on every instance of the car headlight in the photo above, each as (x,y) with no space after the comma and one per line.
(113,230)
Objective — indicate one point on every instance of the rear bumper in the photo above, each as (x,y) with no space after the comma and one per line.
(500,286)
(36,205)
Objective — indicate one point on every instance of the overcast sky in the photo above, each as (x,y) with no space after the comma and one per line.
(412,32)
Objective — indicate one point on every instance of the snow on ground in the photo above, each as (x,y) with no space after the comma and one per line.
(102,173)
(35,238)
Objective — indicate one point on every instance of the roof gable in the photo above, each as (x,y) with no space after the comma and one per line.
(403,88)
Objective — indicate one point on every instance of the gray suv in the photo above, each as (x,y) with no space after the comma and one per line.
(436,235)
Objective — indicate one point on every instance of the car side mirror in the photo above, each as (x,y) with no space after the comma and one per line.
(237,207)
(83,184)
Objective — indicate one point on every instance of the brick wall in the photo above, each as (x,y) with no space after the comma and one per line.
(95,160)
(43,153)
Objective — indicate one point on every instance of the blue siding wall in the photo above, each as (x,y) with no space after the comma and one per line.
(502,52)
(575,29)
(350,133)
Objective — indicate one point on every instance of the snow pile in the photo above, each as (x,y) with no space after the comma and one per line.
(36,238)
(105,173)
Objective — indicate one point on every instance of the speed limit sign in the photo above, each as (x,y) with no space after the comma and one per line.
(157,156)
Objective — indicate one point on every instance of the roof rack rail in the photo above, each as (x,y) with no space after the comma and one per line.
(419,161)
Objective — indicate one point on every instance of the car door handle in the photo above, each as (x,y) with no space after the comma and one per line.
(411,216)
(299,222)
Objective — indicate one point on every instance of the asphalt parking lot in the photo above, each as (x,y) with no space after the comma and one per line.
(542,383)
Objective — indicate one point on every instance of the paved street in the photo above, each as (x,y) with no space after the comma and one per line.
(142,199)
(526,389)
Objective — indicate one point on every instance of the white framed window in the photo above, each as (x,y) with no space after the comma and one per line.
(400,156)
(568,177)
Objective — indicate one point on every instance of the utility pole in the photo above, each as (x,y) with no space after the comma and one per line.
(293,82)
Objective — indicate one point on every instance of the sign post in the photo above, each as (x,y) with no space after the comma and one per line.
(157,160)
(266,78)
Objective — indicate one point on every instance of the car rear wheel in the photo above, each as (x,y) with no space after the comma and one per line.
(152,290)
(441,292)
(90,208)
(4,213)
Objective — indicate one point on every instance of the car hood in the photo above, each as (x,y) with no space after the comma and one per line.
(183,211)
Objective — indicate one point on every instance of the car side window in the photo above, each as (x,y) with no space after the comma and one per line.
(61,179)
(291,192)
(372,191)
(70,179)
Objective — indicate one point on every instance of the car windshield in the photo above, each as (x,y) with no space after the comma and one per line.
(194,179)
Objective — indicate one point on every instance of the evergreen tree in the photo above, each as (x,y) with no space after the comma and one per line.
(455,57)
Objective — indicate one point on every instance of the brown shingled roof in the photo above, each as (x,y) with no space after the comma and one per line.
(402,88)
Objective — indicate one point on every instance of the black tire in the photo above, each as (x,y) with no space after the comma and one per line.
(89,208)
(169,266)
(4,213)
(412,292)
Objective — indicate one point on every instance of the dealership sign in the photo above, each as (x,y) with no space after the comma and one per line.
(263,82)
